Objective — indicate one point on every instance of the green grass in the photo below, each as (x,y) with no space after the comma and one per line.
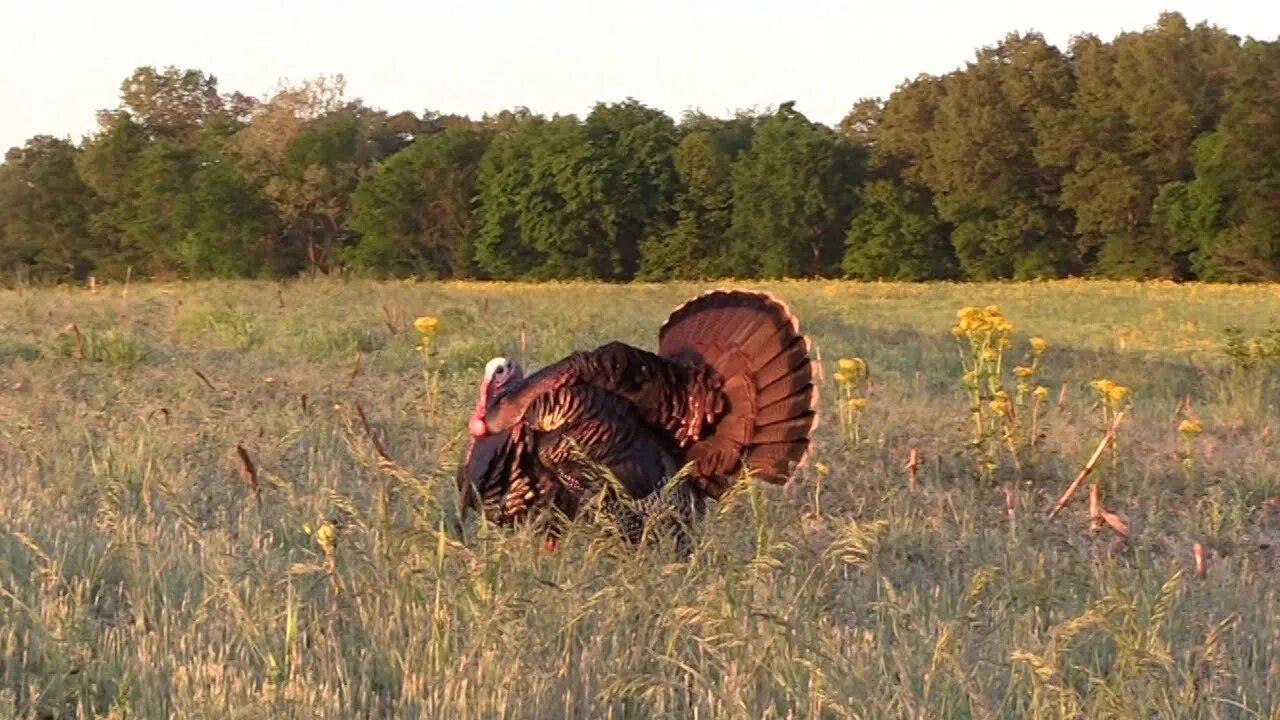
(139,576)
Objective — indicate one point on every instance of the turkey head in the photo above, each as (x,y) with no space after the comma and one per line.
(499,374)
(485,456)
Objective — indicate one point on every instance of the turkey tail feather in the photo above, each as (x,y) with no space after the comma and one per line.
(753,341)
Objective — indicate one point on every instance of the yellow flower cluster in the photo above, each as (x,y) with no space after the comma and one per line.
(325,535)
(848,370)
(975,321)
(985,336)
(427,325)
(1000,402)
(1110,390)
(1190,427)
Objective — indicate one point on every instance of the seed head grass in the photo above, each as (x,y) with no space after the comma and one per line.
(208,514)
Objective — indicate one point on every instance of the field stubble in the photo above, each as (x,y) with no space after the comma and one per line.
(197,523)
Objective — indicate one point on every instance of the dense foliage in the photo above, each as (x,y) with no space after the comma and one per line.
(1151,155)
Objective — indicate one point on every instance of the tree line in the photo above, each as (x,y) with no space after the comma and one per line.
(1153,155)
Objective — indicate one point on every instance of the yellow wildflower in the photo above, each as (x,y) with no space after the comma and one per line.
(325,535)
(970,319)
(1038,344)
(1041,392)
(822,468)
(427,325)
(1117,393)
(1110,390)
(1000,401)
(1190,427)
(851,364)
(1022,371)
(989,354)
(857,403)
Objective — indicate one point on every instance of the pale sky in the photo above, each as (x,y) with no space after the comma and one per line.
(61,60)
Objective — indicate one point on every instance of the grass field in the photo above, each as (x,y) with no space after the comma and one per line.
(142,576)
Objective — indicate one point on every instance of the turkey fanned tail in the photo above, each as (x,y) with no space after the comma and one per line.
(752,342)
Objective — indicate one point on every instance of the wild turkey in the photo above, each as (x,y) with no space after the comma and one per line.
(731,385)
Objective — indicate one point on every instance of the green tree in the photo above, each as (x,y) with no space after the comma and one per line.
(307,147)
(632,148)
(896,232)
(45,211)
(171,198)
(223,217)
(793,192)
(414,211)
(302,147)
(903,137)
(563,199)
(503,250)
(897,235)
(1231,209)
(171,102)
(859,125)
(984,176)
(1138,104)
(704,211)
(695,246)
(139,181)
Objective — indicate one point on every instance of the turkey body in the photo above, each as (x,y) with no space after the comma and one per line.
(731,387)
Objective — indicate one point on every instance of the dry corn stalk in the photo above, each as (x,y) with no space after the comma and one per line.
(249,472)
(1007,488)
(78,350)
(394,319)
(913,462)
(1099,515)
(204,379)
(1088,467)
(355,368)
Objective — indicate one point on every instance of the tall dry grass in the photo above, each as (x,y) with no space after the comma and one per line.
(196,522)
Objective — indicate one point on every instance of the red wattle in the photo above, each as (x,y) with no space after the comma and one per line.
(477,427)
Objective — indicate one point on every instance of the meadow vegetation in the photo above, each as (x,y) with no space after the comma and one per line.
(235,499)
